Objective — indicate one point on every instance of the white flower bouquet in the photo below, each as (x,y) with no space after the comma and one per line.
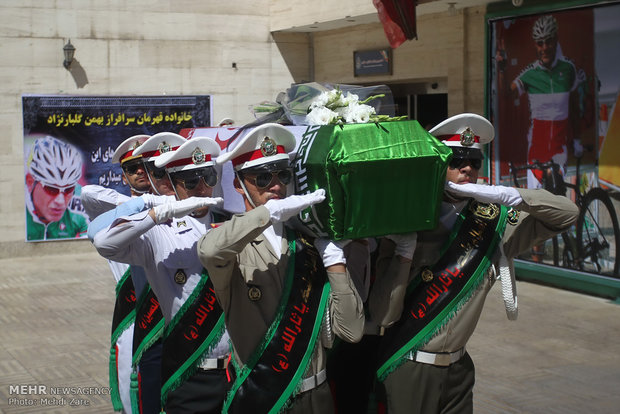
(317,104)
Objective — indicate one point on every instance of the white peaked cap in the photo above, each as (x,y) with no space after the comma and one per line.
(193,153)
(264,144)
(124,152)
(158,144)
(464,130)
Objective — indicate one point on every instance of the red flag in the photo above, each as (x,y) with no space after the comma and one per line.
(398,19)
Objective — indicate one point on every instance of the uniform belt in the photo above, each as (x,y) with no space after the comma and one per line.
(214,363)
(442,359)
(314,381)
(374,330)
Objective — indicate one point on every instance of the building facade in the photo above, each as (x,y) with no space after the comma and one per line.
(240,54)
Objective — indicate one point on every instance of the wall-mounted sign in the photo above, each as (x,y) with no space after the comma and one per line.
(373,62)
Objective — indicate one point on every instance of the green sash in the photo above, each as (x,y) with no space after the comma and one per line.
(195,329)
(124,316)
(447,286)
(274,372)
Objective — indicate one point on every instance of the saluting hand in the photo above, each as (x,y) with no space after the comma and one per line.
(178,209)
(152,200)
(506,196)
(284,209)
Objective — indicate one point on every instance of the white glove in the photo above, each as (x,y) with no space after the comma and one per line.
(178,209)
(577,148)
(284,209)
(152,200)
(405,244)
(506,196)
(331,251)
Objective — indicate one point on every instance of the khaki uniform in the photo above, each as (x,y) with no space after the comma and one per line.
(237,256)
(417,387)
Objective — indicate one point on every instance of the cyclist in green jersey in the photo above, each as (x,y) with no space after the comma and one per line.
(552,84)
(554,87)
(53,170)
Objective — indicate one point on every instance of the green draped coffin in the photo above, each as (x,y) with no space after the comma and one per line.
(380,179)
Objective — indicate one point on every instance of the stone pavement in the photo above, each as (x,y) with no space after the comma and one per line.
(561,356)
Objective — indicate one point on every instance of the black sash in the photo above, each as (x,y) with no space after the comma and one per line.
(124,306)
(444,288)
(194,331)
(275,369)
(149,323)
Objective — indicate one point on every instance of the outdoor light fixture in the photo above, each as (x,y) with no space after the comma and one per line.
(451,9)
(69,51)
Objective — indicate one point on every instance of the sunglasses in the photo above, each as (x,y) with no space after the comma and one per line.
(458,163)
(132,168)
(264,179)
(190,179)
(54,191)
(157,173)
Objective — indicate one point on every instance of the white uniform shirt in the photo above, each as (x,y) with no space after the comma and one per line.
(98,200)
(162,251)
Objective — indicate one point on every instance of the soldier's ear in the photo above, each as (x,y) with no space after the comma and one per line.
(237,185)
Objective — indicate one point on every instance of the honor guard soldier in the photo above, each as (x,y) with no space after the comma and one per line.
(430,288)
(155,146)
(141,352)
(282,300)
(97,200)
(163,240)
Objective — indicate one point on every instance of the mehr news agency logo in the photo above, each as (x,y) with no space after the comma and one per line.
(42,395)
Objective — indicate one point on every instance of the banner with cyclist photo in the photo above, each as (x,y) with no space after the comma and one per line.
(69,142)
(551,89)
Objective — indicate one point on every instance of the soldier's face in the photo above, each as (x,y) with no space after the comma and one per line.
(135,175)
(201,190)
(159,179)
(464,173)
(546,49)
(198,182)
(275,189)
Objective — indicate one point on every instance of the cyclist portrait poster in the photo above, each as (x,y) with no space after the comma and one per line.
(69,142)
(552,92)
(543,101)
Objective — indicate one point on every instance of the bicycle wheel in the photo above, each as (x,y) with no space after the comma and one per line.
(598,234)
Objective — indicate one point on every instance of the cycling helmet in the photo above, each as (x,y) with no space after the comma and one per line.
(545,27)
(54,162)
